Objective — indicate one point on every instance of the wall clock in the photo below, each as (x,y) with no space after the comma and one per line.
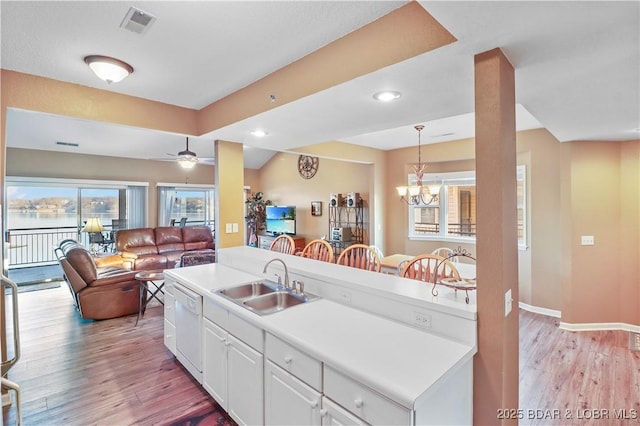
(307,166)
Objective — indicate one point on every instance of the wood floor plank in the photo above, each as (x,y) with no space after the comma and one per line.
(79,372)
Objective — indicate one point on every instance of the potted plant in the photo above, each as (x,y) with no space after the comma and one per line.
(256,215)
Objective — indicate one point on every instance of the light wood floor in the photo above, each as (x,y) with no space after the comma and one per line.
(78,372)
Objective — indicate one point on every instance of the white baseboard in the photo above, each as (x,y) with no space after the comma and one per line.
(541,311)
(600,326)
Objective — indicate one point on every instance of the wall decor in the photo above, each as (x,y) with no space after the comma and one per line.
(316,208)
(307,166)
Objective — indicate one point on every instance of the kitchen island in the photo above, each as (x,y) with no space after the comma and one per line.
(373,348)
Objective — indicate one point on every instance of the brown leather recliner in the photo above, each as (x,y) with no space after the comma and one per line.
(98,292)
(161,247)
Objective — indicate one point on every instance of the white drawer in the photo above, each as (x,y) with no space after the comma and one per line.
(169,308)
(248,333)
(296,362)
(333,414)
(364,402)
(215,313)
(170,336)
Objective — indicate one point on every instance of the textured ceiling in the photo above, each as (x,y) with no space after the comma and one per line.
(577,69)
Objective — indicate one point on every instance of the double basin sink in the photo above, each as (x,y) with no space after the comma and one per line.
(264,297)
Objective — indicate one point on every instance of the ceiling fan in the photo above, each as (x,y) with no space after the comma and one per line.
(187,159)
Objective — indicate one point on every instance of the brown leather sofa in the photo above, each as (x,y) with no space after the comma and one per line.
(100,291)
(161,247)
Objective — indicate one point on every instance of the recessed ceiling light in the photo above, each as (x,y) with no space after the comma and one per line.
(386,96)
(259,133)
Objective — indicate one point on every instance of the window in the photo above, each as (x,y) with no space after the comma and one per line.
(40,212)
(453,216)
(195,203)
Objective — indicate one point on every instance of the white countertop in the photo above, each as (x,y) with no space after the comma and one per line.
(398,360)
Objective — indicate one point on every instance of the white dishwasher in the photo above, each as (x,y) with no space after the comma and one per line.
(188,323)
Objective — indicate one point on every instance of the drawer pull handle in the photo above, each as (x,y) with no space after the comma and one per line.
(323,412)
(314,404)
(288,359)
(358,403)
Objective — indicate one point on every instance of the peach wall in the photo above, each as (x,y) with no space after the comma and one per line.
(602,186)
(281,183)
(229,189)
(377,183)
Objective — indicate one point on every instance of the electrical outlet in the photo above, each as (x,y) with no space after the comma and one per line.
(422,320)
(587,240)
(508,302)
(344,296)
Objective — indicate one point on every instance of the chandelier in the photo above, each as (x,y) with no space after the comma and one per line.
(418,194)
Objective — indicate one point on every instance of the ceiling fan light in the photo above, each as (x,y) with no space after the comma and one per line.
(108,69)
(187,159)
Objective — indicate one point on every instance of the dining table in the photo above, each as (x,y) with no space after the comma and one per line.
(389,265)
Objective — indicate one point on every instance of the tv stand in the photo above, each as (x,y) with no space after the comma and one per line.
(264,242)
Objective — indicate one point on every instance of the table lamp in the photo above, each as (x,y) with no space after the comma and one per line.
(93,226)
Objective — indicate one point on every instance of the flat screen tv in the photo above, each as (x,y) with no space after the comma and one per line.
(281,220)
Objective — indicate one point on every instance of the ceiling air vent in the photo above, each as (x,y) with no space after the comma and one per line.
(137,21)
(66,143)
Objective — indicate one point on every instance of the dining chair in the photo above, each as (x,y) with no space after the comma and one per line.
(360,256)
(423,268)
(319,250)
(284,244)
(377,250)
(445,252)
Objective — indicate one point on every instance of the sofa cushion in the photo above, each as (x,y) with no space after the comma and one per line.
(169,239)
(197,238)
(139,241)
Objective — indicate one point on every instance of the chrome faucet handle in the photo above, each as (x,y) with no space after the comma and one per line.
(279,279)
(297,287)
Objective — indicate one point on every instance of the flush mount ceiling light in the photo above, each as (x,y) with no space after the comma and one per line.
(417,194)
(109,69)
(187,159)
(386,96)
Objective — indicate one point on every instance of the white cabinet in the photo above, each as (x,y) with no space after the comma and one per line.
(214,367)
(334,415)
(364,402)
(289,401)
(233,373)
(169,317)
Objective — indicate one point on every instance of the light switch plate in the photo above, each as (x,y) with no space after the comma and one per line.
(228,228)
(235,227)
(508,302)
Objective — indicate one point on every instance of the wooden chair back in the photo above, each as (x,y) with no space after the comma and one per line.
(319,250)
(444,252)
(423,268)
(360,256)
(284,244)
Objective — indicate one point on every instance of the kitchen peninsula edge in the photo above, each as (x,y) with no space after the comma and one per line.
(381,333)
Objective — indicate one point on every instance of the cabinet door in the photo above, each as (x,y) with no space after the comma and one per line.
(214,366)
(244,380)
(288,401)
(335,415)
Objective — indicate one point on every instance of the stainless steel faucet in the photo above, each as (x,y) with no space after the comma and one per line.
(286,271)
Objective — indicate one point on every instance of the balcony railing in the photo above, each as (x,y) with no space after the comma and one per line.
(32,247)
